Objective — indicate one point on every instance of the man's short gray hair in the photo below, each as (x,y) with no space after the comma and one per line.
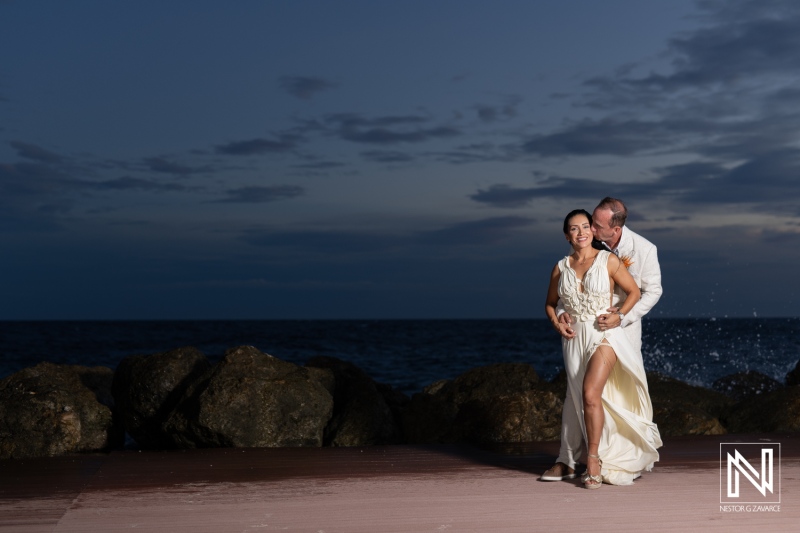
(619,213)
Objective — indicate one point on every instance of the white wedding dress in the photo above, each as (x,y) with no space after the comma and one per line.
(630,438)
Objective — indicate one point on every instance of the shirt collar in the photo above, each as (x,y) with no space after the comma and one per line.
(616,251)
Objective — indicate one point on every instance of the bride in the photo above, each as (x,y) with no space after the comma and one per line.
(605,373)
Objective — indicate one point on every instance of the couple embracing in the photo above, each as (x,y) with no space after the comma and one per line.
(596,298)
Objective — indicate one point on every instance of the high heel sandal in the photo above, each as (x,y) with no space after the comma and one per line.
(590,481)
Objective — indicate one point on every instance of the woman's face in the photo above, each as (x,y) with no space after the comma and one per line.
(579,231)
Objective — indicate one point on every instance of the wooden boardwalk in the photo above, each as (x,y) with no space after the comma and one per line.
(372,489)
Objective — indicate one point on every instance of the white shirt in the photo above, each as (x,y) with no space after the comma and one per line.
(647,273)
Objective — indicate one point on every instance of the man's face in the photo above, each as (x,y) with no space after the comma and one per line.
(601,226)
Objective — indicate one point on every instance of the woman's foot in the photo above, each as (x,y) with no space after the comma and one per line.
(558,472)
(593,478)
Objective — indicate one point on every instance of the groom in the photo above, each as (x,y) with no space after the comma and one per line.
(610,233)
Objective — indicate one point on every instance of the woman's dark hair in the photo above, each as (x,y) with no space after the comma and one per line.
(572,214)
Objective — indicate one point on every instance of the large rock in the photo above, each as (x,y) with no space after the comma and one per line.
(793,377)
(745,385)
(51,409)
(558,384)
(147,389)
(361,414)
(686,419)
(497,403)
(532,415)
(778,411)
(683,409)
(251,399)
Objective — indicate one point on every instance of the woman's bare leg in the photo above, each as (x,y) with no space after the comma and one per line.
(600,365)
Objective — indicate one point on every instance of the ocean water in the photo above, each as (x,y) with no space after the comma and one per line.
(410,354)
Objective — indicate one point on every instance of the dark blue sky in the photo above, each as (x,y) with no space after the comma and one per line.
(371,159)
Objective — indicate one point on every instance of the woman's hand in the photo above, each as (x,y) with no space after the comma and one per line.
(564,329)
(562,324)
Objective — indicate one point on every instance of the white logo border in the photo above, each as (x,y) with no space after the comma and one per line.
(723,471)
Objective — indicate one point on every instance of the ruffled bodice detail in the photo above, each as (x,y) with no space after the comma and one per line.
(595,298)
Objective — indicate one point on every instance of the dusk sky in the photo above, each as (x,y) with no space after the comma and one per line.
(376,159)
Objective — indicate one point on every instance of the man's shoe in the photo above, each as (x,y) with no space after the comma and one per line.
(558,472)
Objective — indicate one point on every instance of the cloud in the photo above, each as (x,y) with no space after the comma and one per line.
(688,176)
(322,242)
(387,156)
(769,181)
(258,146)
(304,87)
(502,195)
(765,183)
(257,195)
(261,283)
(737,10)
(23,179)
(728,97)
(475,153)
(729,90)
(479,233)
(160,164)
(387,130)
(35,153)
(26,179)
(764,43)
(321,165)
(475,232)
(612,136)
(492,113)
(507,196)
(746,48)
(128,183)
(30,197)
